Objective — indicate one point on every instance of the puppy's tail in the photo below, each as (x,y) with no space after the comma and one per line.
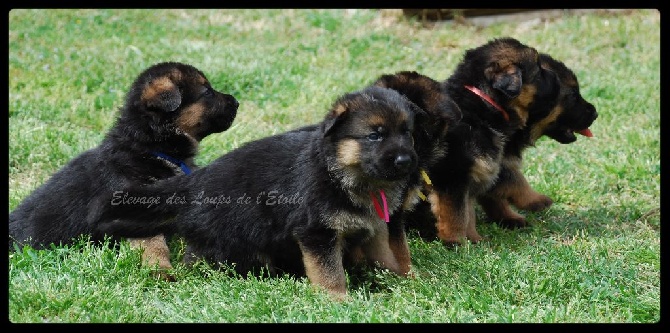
(139,211)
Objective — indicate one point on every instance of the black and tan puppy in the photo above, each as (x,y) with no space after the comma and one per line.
(509,95)
(170,107)
(430,141)
(296,202)
(569,114)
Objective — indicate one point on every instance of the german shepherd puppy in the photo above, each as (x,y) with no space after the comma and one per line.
(170,107)
(510,95)
(430,140)
(569,114)
(294,203)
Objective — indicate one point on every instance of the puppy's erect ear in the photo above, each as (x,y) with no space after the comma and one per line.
(505,77)
(162,94)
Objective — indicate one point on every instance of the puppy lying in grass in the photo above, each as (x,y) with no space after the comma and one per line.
(299,203)
(169,108)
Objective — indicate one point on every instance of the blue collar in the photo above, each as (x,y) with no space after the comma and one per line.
(180,163)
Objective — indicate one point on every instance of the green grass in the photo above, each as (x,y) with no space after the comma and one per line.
(593,257)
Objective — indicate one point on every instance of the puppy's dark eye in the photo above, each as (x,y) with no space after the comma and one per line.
(208,93)
(375,136)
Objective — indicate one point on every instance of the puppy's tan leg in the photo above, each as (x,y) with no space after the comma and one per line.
(452,218)
(323,266)
(517,189)
(512,187)
(400,250)
(356,255)
(471,220)
(378,251)
(396,229)
(154,252)
(498,210)
(524,197)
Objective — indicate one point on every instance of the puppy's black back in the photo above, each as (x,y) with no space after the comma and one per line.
(309,190)
(46,202)
(239,196)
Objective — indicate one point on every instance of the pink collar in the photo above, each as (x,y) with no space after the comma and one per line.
(488,99)
(383,213)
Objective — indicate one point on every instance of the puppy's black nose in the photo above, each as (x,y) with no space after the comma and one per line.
(403,162)
(594,114)
(232,101)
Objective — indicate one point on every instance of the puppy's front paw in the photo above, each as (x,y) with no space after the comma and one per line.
(164,275)
(541,203)
(513,223)
(453,242)
(339,296)
(476,238)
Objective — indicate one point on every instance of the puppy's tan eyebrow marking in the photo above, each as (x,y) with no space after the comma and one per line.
(375,121)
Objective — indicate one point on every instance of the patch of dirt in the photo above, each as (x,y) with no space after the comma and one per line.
(486,17)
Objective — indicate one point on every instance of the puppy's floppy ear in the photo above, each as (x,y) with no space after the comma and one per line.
(445,115)
(452,114)
(161,93)
(420,115)
(335,117)
(504,77)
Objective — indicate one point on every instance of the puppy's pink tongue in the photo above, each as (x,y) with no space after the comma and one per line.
(586,132)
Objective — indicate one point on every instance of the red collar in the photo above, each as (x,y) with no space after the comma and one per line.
(488,99)
(383,212)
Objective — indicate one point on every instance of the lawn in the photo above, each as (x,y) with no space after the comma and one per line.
(593,257)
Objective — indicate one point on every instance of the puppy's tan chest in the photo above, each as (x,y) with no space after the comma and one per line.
(484,172)
(349,221)
(486,167)
(352,223)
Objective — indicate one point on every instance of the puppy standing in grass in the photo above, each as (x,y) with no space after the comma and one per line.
(510,95)
(168,110)
(297,202)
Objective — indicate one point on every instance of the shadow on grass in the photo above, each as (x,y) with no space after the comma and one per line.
(609,222)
